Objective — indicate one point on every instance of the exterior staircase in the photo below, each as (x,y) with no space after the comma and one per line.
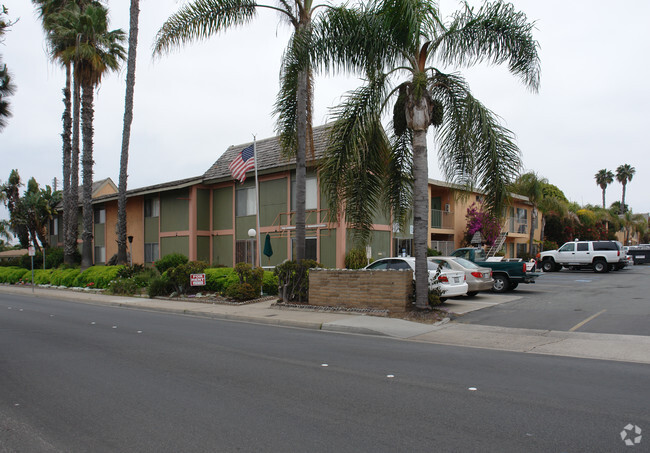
(497,244)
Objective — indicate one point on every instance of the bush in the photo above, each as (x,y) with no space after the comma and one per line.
(216,279)
(64,277)
(126,286)
(356,259)
(169,261)
(96,276)
(248,284)
(433,252)
(53,258)
(13,274)
(293,280)
(179,276)
(42,276)
(160,286)
(242,291)
(270,283)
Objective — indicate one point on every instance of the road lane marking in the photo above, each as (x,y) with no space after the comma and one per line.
(580,324)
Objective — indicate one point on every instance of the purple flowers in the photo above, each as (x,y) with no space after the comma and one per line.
(479,221)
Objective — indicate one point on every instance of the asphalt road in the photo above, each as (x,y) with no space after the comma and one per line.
(81,378)
(579,301)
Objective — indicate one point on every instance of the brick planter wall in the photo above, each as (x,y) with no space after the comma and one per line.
(376,289)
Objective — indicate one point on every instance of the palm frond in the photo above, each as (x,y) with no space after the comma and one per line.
(496,33)
(398,190)
(200,20)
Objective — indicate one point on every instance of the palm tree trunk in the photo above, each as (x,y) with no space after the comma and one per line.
(604,199)
(73,202)
(87,164)
(68,252)
(622,210)
(301,157)
(420,205)
(126,133)
(533,221)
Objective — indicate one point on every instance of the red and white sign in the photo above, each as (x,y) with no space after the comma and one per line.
(197,279)
(31,251)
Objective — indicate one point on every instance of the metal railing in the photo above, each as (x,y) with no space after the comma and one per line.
(444,247)
(516,225)
(442,219)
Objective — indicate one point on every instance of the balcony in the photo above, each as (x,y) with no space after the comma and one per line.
(442,219)
(516,225)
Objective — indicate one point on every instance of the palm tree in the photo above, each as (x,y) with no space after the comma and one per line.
(389,38)
(95,52)
(604,178)
(624,174)
(126,132)
(6,86)
(532,186)
(203,18)
(632,223)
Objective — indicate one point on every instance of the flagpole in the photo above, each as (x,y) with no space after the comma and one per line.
(257,203)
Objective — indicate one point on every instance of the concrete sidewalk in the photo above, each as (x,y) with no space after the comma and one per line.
(626,348)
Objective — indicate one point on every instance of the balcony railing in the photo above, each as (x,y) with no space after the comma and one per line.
(444,247)
(442,219)
(517,225)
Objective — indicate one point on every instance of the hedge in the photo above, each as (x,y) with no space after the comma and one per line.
(14,274)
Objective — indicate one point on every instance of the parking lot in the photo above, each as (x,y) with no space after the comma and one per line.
(616,302)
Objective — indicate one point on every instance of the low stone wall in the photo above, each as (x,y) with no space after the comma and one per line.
(376,289)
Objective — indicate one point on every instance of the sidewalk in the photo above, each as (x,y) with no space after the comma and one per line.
(626,348)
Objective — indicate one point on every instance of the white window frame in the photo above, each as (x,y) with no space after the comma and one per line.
(245,202)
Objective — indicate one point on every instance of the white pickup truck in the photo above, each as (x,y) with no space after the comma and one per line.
(601,256)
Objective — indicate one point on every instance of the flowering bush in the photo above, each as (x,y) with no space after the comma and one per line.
(480,221)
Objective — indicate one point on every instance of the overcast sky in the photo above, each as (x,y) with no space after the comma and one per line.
(592,110)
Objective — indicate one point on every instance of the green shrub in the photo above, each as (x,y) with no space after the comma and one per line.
(53,257)
(42,276)
(169,261)
(293,279)
(160,286)
(270,283)
(13,274)
(433,252)
(26,261)
(64,276)
(97,276)
(356,259)
(126,286)
(179,276)
(143,278)
(217,279)
(126,271)
(242,291)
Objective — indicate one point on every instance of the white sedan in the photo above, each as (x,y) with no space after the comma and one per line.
(451,282)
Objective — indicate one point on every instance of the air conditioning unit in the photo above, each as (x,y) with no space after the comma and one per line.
(447,207)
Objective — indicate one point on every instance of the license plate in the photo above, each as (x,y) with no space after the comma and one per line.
(640,256)
(456,280)
(486,275)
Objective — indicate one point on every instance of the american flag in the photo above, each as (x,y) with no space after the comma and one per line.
(242,163)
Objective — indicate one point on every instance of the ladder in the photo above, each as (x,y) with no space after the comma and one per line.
(497,244)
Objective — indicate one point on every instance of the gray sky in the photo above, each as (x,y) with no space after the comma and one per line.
(592,111)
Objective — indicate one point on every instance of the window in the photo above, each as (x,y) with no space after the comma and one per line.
(583,246)
(399,265)
(55,227)
(245,202)
(522,249)
(568,247)
(151,252)
(605,245)
(100,215)
(402,247)
(100,254)
(310,248)
(245,251)
(311,193)
(152,207)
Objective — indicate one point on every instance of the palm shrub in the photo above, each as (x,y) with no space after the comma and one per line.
(293,280)
(169,261)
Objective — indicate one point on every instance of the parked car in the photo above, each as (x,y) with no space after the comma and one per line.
(601,256)
(452,282)
(640,253)
(478,278)
(506,274)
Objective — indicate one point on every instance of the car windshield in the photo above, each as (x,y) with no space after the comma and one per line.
(466,263)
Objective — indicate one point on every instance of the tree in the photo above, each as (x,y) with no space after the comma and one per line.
(7,88)
(126,132)
(204,18)
(633,223)
(532,186)
(392,38)
(95,52)
(604,178)
(624,174)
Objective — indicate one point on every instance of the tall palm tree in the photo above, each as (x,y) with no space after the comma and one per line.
(95,52)
(532,186)
(126,132)
(624,174)
(7,88)
(203,18)
(392,38)
(604,178)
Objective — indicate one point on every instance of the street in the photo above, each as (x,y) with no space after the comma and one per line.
(77,377)
(614,303)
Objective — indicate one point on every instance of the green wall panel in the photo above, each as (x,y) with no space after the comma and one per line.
(328,248)
(203,209)
(151,229)
(177,244)
(279,246)
(174,210)
(222,208)
(273,200)
(203,248)
(99,237)
(222,250)
(243,224)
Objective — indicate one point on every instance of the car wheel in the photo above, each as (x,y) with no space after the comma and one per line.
(472,293)
(501,284)
(513,285)
(600,266)
(548,265)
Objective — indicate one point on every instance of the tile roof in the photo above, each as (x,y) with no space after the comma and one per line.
(269,155)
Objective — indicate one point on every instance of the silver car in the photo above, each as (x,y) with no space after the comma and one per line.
(478,278)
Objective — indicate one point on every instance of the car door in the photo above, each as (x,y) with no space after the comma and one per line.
(583,253)
(566,253)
